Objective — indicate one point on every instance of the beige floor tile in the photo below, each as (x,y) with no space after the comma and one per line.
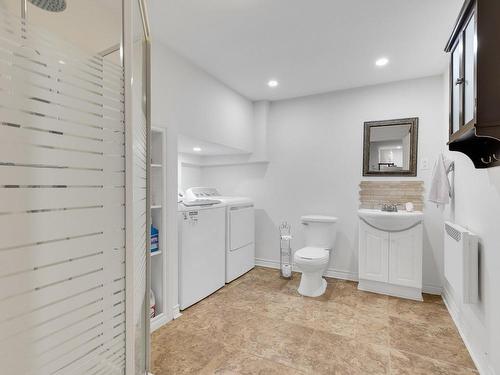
(334,354)
(438,342)
(413,364)
(242,363)
(278,341)
(372,304)
(415,311)
(371,329)
(186,354)
(345,292)
(230,327)
(322,316)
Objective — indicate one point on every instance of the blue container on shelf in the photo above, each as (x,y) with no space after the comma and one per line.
(154,239)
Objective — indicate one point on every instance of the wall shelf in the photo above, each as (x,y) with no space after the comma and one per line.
(158,220)
(227,164)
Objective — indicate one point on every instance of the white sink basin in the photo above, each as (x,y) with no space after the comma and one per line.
(390,221)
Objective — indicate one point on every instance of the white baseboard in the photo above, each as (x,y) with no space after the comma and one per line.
(267,263)
(432,289)
(340,274)
(390,289)
(157,322)
(343,275)
(479,360)
(330,272)
(176,312)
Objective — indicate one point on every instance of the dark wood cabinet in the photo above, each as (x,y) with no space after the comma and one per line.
(474,48)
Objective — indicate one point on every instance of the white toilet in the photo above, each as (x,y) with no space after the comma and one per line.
(313,259)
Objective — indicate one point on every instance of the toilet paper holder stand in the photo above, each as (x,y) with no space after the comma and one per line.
(285,251)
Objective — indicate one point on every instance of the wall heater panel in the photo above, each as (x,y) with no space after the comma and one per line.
(461,262)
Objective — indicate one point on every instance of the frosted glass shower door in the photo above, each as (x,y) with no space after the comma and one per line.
(62,206)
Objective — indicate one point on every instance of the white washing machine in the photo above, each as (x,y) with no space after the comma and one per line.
(240,230)
(202,250)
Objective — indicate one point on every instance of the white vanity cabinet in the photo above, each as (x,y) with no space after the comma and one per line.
(390,261)
(373,254)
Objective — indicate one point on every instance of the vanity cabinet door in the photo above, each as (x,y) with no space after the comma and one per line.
(373,253)
(405,257)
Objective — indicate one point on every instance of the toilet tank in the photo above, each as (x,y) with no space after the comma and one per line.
(319,230)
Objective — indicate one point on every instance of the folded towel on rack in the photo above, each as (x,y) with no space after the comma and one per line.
(440,192)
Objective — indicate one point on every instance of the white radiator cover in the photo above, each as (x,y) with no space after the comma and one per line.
(461,262)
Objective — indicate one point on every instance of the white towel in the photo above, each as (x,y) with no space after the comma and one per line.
(440,192)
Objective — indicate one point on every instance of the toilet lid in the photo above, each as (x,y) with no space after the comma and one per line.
(312,253)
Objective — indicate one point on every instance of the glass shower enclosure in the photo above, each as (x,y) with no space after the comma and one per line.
(74,187)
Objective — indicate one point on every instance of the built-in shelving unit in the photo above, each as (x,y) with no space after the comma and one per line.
(158,220)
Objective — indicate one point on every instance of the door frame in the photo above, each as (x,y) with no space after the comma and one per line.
(130,278)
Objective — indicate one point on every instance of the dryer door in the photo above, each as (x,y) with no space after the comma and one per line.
(241,226)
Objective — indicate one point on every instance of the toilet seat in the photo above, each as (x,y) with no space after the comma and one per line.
(312,254)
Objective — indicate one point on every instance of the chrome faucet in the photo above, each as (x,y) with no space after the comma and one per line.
(390,207)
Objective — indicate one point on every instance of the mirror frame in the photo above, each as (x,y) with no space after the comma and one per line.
(412,172)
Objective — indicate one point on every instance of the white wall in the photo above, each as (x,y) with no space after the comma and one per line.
(476,206)
(192,102)
(315,147)
(188,171)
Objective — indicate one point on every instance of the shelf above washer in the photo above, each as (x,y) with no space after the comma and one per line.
(226,164)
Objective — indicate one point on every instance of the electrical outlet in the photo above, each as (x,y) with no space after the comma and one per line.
(424,164)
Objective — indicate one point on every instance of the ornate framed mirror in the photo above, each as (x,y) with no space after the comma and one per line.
(390,148)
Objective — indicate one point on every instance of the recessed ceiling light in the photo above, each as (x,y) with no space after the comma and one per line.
(196,149)
(382,61)
(273,83)
(62,62)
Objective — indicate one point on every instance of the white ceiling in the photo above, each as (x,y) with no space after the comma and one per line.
(309,46)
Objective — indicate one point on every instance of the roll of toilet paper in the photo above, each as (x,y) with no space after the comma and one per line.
(286,270)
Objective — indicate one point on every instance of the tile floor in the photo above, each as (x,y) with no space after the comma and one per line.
(260,325)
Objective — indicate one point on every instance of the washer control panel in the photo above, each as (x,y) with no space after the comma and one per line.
(201,192)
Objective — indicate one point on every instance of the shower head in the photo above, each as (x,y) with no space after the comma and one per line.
(50,5)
